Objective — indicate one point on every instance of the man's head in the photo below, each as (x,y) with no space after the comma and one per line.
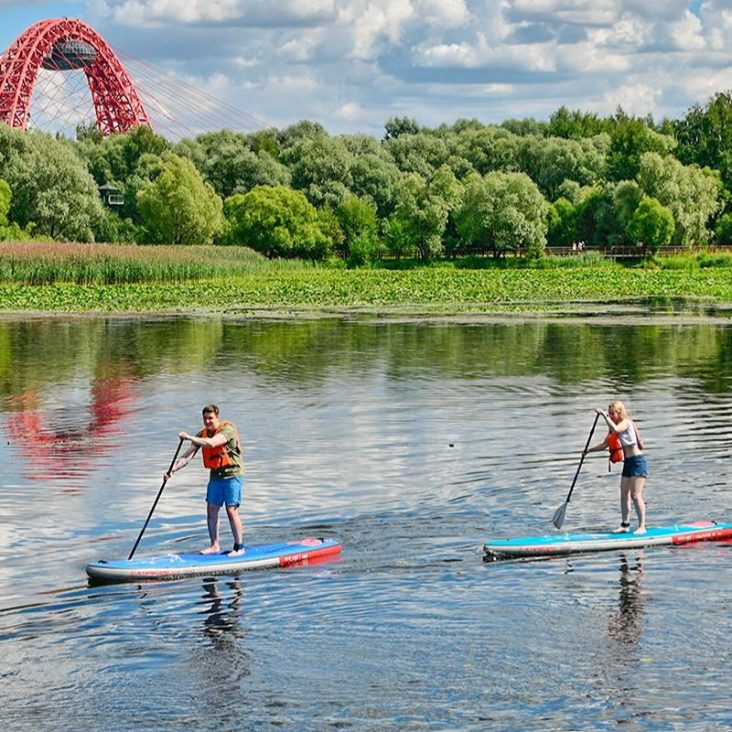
(210,417)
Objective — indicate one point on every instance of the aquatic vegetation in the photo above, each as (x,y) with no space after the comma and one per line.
(38,263)
(433,289)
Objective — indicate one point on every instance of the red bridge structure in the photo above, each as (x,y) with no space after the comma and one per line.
(64,44)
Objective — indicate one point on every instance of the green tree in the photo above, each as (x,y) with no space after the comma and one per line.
(398,239)
(423,212)
(488,149)
(597,221)
(396,126)
(357,220)
(276,221)
(178,207)
(549,162)
(128,160)
(562,224)
(51,186)
(320,167)
(229,164)
(378,179)
(420,153)
(691,193)
(503,212)
(575,125)
(705,136)
(652,224)
(630,139)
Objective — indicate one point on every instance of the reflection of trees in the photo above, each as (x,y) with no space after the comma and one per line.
(625,624)
(37,355)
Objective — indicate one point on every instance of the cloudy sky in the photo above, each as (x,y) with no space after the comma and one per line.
(352,64)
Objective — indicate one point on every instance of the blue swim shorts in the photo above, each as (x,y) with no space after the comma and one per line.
(635,466)
(225,491)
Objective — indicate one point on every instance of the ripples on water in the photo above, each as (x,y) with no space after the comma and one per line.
(412,445)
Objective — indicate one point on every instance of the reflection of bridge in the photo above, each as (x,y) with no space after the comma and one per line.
(67,450)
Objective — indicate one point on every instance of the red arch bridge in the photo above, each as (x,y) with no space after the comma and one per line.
(64,44)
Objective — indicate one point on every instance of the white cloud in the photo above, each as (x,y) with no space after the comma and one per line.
(151,13)
(636,99)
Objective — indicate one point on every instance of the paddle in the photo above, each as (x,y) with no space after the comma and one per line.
(559,514)
(157,498)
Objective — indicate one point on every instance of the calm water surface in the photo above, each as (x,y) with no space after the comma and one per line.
(412,444)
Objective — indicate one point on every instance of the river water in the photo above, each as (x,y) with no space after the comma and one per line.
(412,444)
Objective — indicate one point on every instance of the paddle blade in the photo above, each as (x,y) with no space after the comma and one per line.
(559,514)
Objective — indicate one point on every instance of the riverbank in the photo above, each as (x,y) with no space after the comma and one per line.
(430,291)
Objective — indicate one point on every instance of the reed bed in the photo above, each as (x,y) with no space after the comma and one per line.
(35,263)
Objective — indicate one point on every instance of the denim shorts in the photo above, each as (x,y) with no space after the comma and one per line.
(635,466)
(225,491)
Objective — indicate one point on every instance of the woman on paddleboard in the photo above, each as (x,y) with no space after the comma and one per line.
(635,467)
(222,455)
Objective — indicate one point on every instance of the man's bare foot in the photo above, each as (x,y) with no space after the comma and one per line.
(213,549)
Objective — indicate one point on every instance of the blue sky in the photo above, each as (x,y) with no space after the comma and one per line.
(352,64)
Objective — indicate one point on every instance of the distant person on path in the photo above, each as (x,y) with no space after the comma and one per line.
(222,455)
(635,466)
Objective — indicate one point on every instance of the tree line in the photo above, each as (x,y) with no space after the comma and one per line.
(425,193)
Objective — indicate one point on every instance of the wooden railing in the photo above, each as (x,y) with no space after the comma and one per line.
(633,252)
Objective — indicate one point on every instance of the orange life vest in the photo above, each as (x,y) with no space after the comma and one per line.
(614,447)
(216,458)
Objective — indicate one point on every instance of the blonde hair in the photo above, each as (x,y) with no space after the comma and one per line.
(619,407)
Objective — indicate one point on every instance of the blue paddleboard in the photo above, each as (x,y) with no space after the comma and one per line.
(538,546)
(174,566)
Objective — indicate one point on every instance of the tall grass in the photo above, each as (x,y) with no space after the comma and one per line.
(115,264)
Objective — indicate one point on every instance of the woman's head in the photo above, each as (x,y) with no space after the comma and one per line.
(617,411)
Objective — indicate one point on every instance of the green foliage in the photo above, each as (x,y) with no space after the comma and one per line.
(562,224)
(705,136)
(178,207)
(278,222)
(503,212)
(378,179)
(396,126)
(575,125)
(691,193)
(631,138)
(228,162)
(723,229)
(5,197)
(320,167)
(129,161)
(652,224)
(357,220)
(51,186)
(422,213)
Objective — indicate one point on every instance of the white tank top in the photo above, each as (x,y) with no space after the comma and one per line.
(627,437)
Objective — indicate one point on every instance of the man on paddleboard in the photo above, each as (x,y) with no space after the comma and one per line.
(222,455)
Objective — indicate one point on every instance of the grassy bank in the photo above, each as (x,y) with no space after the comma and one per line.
(433,289)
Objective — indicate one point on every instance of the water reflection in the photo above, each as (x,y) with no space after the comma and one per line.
(221,600)
(62,442)
(625,625)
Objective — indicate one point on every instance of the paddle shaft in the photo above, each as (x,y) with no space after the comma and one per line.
(582,459)
(157,498)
